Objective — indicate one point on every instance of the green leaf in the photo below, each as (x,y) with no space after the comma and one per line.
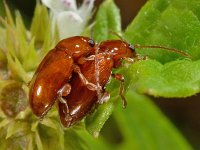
(41,31)
(89,142)
(38,141)
(30,143)
(16,143)
(169,23)
(95,121)
(179,78)
(8,14)
(143,127)
(30,61)
(160,22)
(21,41)
(2,11)
(34,126)
(16,68)
(27,52)
(4,123)
(49,123)
(16,128)
(174,24)
(51,134)
(40,23)
(3,59)
(107,19)
(20,28)
(2,37)
(72,139)
(48,43)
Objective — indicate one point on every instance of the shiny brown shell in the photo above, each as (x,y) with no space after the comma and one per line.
(81,100)
(55,70)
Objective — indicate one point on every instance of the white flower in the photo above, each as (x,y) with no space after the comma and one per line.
(69,19)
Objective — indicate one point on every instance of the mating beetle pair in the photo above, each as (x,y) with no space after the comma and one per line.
(75,73)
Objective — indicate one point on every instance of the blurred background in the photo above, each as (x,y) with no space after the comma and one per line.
(184,113)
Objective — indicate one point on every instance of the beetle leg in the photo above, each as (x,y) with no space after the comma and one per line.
(129,60)
(63,106)
(105,97)
(88,84)
(120,78)
(139,57)
(64,91)
(82,60)
(136,58)
(92,57)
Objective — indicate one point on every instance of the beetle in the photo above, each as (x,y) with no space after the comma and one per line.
(51,78)
(75,73)
(81,100)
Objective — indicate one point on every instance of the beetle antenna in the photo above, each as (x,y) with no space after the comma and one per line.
(92,33)
(163,48)
(116,34)
(153,46)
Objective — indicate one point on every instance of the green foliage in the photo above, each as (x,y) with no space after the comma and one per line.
(39,26)
(107,19)
(173,24)
(164,23)
(1,9)
(178,78)
(170,23)
(144,127)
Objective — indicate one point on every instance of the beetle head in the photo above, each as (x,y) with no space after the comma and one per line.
(118,50)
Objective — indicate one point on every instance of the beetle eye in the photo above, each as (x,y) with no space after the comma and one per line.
(131,47)
(91,42)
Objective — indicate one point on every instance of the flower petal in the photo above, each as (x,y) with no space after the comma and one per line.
(69,24)
(69,4)
(60,5)
(86,8)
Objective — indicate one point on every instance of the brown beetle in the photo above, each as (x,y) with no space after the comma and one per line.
(75,72)
(51,78)
(98,70)
(81,100)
